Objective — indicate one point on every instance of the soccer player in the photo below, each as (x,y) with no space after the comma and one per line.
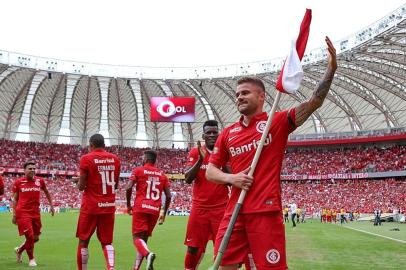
(99,177)
(209,200)
(150,182)
(259,226)
(1,182)
(26,214)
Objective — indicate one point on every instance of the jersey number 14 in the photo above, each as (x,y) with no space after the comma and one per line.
(107,180)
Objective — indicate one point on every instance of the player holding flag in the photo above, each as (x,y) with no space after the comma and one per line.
(259,226)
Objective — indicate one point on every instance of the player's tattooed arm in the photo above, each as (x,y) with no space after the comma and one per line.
(304,110)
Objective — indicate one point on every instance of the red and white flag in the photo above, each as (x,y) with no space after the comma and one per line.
(292,73)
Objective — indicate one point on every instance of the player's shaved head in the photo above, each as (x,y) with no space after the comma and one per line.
(97,140)
(150,156)
(210,123)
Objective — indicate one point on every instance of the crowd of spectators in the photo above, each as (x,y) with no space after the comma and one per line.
(362,196)
(297,162)
(325,161)
(359,195)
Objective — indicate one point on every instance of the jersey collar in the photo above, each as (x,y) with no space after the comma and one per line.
(148,165)
(254,119)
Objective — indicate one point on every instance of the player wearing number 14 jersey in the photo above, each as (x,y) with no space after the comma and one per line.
(99,176)
(150,182)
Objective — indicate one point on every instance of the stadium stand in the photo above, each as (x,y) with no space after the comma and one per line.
(361,195)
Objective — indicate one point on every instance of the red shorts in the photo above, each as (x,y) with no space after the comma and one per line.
(88,223)
(29,225)
(144,222)
(202,226)
(263,234)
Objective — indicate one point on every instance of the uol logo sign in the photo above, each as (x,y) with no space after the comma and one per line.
(172,109)
(166,108)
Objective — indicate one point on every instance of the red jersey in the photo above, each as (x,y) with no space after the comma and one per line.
(103,170)
(150,182)
(206,194)
(237,145)
(1,182)
(29,194)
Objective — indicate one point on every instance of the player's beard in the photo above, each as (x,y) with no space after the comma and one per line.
(246,107)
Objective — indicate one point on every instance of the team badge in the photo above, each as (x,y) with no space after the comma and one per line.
(261,126)
(37,183)
(273,256)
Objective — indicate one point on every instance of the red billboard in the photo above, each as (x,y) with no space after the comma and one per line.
(172,109)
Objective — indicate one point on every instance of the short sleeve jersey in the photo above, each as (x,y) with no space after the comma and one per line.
(29,194)
(206,195)
(103,171)
(237,145)
(150,182)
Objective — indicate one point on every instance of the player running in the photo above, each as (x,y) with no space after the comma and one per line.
(259,227)
(150,182)
(209,199)
(26,214)
(99,177)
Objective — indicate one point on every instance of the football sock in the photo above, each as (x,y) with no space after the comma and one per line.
(108,251)
(138,261)
(82,257)
(141,246)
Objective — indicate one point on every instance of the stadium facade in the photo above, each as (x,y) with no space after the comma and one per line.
(52,100)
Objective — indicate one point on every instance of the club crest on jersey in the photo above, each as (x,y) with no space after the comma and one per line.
(261,126)
(273,256)
(37,182)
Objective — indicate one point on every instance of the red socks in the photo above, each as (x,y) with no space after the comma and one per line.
(141,247)
(192,260)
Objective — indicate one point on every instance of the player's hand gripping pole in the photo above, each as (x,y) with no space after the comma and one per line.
(226,238)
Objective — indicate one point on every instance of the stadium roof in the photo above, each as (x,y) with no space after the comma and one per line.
(52,100)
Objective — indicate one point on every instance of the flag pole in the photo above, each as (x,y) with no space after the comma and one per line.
(237,208)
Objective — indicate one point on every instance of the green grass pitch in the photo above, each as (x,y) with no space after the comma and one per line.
(310,246)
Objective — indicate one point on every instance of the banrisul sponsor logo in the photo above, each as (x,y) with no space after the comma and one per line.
(238,150)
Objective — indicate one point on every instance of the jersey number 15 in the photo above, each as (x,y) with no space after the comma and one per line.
(152,189)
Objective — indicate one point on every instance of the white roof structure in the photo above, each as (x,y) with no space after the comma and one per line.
(51,100)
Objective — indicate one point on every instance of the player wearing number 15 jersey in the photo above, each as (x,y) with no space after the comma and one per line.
(150,182)
(99,176)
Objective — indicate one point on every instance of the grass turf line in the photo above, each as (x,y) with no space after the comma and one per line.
(309,246)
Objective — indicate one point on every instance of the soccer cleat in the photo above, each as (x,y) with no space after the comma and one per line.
(19,255)
(150,261)
(32,263)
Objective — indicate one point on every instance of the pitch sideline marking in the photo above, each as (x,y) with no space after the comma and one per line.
(379,235)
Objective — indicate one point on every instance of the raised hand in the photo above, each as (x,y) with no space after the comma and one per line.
(202,153)
(332,58)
